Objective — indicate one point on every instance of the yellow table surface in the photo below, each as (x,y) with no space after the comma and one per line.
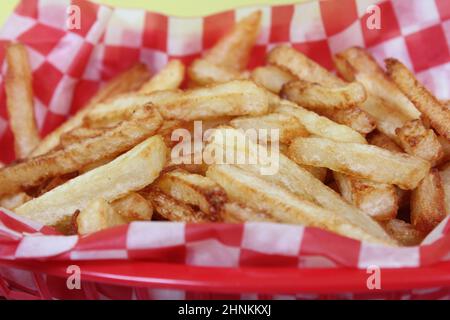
(184,8)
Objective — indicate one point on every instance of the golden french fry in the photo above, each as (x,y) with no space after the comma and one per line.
(357,64)
(194,190)
(79,134)
(204,72)
(14,200)
(97,215)
(293,177)
(303,68)
(316,96)
(129,172)
(133,207)
(127,81)
(235,98)
(19,100)
(233,50)
(419,141)
(286,126)
(423,99)
(381,140)
(271,78)
(234,212)
(380,201)
(112,143)
(169,78)
(318,125)
(359,160)
(445,176)
(173,210)
(259,194)
(404,232)
(428,203)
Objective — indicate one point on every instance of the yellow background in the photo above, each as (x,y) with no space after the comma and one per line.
(173,7)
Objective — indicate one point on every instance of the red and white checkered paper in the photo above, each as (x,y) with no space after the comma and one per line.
(70,65)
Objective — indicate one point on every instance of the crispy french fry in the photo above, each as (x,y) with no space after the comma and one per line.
(129,172)
(19,100)
(404,232)
(235,98)
(357,64)
(233,50)
(133,207)
(423,99)
(112,143)
(303,68)
(97,215)
(14,200)
(271,78)
(318,125)
(195,190)
(445,148)
(287,126)
(237,213)
(173,210)
(169,78)
(419,141)
(79,134)
(428,203)
(445,176)
(316,96)
(296,179)
(381,140)
(380,201)
(204,72)
(359,160)
(127,81)
(249,188)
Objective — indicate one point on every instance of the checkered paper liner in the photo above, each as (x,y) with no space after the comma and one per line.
(70,65)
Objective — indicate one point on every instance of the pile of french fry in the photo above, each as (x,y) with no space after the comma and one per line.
(364,154)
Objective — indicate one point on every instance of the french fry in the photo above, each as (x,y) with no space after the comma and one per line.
(381,140)
(316,96)
(233,50)
(127,81)
(79,134)
(169,78)
(303,68)
(296,179)
(195,190)
(380,201)
(445,148)
(14,200)
(237,213)
(271,78)
(428,104)
(129,172)
(318,125)
(173,210)
(288,127)
(357,64)
(112,143)
(133,207)
(428,203)
(445,176)
(404,232)
(19,101)
(259,194)
(97,215)
(204,72)
(359,160)
(419,141)
(235,98)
